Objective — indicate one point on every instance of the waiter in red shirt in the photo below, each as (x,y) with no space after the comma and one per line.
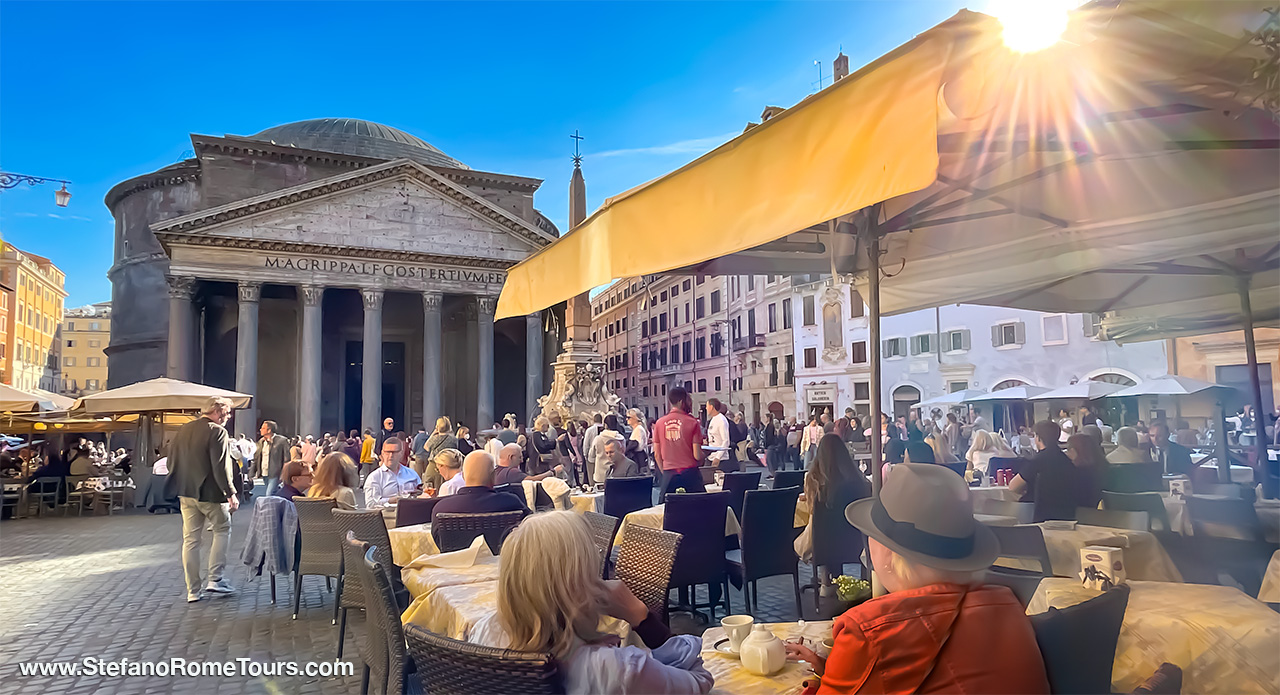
(677,445)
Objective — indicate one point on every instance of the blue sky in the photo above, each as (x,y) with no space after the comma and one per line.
(98,92)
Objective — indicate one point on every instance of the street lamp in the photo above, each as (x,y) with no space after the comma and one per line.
(10,180)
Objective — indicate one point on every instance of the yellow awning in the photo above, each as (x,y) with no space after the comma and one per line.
(869,137)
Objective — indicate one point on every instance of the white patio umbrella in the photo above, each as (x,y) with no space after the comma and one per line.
(55,401)
(1168,385)
(1013,393)
(19,401)
(954,398)
(1080,391)
(157,395)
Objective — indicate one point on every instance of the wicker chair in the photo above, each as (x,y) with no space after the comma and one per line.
(456,531)
(373,648)
(367,526)
(644,564)
(382,618)
(321,552)
(603,529)
(450,667)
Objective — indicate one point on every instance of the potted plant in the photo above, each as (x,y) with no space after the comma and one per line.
(850,592)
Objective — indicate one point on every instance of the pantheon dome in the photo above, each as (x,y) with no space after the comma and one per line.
(357,137)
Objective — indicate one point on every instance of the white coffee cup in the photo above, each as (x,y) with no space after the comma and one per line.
(737,627)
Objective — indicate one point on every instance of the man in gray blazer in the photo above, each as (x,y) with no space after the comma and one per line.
(272,454)
(200,476)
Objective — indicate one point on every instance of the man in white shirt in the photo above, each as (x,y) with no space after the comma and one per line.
(718,436)
(391,480)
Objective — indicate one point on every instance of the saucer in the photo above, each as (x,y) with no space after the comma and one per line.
(722,647)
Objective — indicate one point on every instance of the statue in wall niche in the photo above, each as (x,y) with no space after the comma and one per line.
(832,327)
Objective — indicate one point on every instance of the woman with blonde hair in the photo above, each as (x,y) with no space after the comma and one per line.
(330,480)
(449,463)
(551,599)
(981,450)
(439,440)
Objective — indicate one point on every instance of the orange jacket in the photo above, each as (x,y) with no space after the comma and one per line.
(940,638)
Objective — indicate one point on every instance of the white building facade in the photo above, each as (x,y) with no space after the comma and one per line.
(935,351)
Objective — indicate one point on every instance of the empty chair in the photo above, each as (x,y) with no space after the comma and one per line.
(700,518)
(321,550)
(625,495)
(1133,477)
(366,526)
(10,502)
(957,468)
(415,510)
(1024,512)
(737,485)
(1079,642)
(456,531)
(603,529)
(645,560)
(1227,490)
(1023,584)
(1224,518)
(783,479)
(43,492)
(373,648)
(382,618)
(1056,495)
(1113,518)
(1024,543)
(767,547)
(1150,502)
(449,667)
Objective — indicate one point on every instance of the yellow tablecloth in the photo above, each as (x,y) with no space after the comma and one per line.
(408,542)
(652,517)
(731,677)
(590,502)
(1271,581)
(1180,521)
(1223,640)
(1144,557)
(423,581)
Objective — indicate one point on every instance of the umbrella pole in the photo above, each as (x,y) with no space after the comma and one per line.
(873,355)
(1224,448)
(1251,355)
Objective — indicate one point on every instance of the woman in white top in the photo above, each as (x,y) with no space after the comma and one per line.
(981,450)
(551,599)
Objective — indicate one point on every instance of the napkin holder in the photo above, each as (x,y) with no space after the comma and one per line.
(1180,487)
(1102,567)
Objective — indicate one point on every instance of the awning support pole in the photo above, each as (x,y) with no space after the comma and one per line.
(873,356)
(1251,355)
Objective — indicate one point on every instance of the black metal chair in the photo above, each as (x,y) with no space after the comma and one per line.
(700,518)
(10,502)
(1078,643)
(1224,518)
(1054,498)
(645,560)
(382,616)
(1023,584)
(449,667)
(368,527)
(783,479)
(1024,512)
(603,530)
(625,495)
(737,485)
(1113,518)
(1133,477)
(456,531)
(415,510)
(836,543)
(1149,502)
(767,543)
(43,492)
(321,552)
(1023,543)
(1233,490)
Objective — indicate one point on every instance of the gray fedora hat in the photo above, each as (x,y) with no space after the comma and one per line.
(924,514)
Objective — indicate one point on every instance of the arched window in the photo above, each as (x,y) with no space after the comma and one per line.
(1008,384)
(1113,378)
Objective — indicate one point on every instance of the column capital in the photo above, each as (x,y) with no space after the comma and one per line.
(372,298)
(311,294)
(432,301)
(249,291)
(181,286)
(486,305)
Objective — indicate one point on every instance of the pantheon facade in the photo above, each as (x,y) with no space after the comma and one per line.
(340,270)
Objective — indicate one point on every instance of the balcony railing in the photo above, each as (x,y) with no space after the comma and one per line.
(748,342)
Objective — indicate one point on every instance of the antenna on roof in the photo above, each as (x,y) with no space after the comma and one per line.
(821,79)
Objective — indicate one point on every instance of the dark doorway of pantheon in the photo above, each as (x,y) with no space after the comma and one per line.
(393,384)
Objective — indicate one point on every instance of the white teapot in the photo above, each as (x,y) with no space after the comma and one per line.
(762,653)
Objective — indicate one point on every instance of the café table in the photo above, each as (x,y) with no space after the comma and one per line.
(1180,522)
(1270,592)
(409,542)
(422,581)
(587,502)
(1144,557)
(1001,493)
(1239,474)
(652,517)
(1223,640)
(389,516)
(731,677)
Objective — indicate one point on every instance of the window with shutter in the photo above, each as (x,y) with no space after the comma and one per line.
(997,336)
(809,319)
(810,358)
(1020,333)
(965,341)
(1092,324)
(859,352)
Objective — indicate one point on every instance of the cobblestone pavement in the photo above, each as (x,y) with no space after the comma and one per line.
(111,587)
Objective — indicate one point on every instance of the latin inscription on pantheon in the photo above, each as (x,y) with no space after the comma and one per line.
(391,270)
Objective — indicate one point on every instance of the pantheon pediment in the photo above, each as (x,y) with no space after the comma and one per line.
(396,209)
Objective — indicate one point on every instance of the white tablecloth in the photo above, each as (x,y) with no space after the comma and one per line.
(996,492)
(652,517)
(1144,557)
(409,542)
(732,678)
(1180,521)
(1223,640)
(1239,474)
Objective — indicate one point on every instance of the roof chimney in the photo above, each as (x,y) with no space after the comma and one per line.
(841,67)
